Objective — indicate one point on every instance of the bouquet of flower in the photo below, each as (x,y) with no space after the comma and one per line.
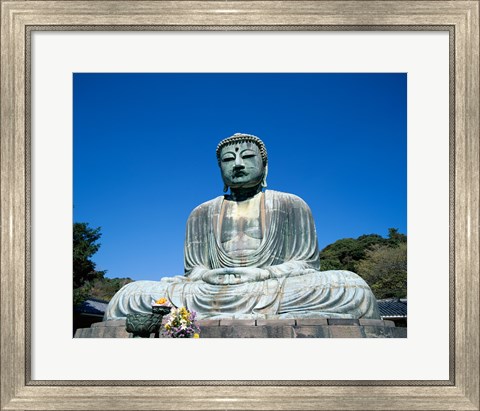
(181,324)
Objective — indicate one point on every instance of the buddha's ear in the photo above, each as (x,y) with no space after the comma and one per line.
(225,188)
(264,180)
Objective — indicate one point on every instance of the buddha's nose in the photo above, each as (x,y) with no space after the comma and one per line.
(239,163)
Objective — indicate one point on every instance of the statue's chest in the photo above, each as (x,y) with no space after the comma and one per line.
(241,228)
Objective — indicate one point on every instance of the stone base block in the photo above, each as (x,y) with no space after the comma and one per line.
(288,328)
(104,329)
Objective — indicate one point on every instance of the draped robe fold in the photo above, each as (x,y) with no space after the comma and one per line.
(288,250)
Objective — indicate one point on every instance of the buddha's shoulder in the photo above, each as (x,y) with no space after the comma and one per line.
(206,206)
(289,198)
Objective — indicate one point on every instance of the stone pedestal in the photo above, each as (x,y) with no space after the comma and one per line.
(104,329)
(288,328)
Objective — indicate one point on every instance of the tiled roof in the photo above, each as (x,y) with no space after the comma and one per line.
(92,306)
(393,307)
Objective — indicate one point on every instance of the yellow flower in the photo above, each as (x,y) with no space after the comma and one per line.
(184,314)
(196,335)
(161,301)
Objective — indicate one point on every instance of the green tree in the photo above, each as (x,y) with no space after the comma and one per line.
(344,254)
(105,288)
(85,245)
(395,238)
(385,270)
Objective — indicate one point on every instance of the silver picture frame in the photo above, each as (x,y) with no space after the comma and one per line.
(19,19)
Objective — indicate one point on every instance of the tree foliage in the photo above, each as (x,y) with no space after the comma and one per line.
(105,288)
(345,253)
(382,262)
(385,270)
(87,280)
(85,245)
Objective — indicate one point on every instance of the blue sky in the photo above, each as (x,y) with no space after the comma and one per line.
(144,154)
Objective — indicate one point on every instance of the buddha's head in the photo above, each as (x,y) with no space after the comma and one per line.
(243,162)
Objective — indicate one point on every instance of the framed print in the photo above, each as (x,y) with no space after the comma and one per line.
(168,46)
(434,43)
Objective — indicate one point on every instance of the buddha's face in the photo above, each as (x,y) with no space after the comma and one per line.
(241,165)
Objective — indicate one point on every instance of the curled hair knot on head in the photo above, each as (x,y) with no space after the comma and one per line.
(240,138)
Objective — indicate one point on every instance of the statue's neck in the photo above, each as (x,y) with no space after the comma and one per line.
(242,194)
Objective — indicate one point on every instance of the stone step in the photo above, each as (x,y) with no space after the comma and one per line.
(275,328)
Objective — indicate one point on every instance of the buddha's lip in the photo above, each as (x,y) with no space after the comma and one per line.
(239,174)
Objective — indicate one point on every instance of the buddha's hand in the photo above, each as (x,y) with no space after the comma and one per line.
(235,275)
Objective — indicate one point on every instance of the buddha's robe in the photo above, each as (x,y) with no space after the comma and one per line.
(295,287)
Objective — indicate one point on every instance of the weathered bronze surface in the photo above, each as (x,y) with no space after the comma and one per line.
(252,254)
(142,325)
